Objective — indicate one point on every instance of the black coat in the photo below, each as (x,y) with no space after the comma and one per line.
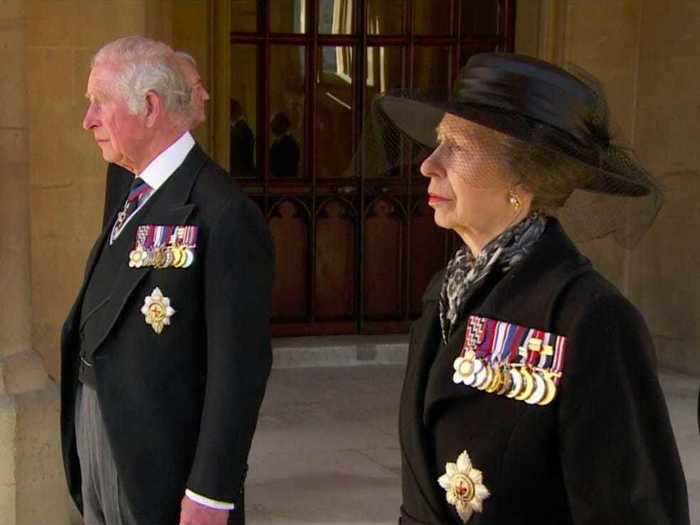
(602,452)
(180,408)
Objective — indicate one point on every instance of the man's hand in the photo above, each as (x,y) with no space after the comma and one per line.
(193,513)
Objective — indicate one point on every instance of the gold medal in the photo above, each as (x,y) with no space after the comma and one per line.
(158,257)
(497,380)
(507,381)
(528,385)
(177,257)
(551,389)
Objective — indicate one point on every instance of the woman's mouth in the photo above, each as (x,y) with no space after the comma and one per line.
(436,199)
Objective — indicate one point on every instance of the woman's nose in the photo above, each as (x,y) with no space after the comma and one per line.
(431,166)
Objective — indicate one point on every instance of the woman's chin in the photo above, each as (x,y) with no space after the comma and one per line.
(442,221)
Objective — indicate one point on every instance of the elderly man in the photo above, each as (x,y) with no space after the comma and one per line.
(118,177)
(166,351)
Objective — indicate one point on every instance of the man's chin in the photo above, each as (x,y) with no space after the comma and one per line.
(109,155)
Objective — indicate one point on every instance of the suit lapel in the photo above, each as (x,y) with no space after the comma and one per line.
(168,206)
(93,257)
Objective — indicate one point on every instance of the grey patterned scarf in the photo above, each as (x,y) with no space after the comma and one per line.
(464,270)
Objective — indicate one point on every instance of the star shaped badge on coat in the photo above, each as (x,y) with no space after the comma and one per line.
(464,486)
(157,310)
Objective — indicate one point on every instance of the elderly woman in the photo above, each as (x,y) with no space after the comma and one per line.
(530,395)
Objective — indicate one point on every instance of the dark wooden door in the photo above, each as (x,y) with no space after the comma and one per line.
(355,249)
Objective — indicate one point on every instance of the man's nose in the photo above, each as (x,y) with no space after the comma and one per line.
(89,120)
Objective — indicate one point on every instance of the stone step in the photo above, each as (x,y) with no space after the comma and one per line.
(345,350)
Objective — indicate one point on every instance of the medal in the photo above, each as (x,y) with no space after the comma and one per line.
(539,391)
(464,487)
(137,257)
(507,381)
(463,365)
(164,246)
(516,383)
(528,385)
(510,360)
(157,310)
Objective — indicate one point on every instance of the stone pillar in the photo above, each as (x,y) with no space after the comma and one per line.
(32,487)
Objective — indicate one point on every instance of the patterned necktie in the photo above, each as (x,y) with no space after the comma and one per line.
(137,193)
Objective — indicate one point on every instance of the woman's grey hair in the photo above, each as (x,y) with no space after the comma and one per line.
(145,65)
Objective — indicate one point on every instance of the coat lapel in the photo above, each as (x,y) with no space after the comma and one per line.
(73,317)
(440,387)
(413,434)
(168,206)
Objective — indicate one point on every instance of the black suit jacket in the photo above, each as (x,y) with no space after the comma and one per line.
(181,407)
(284,157)
(602,452)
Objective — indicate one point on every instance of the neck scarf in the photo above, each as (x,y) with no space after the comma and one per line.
(464,270)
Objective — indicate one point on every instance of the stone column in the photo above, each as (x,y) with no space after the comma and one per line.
(32,489)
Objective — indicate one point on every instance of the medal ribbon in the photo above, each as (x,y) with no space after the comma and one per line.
(489,334)
(559,355)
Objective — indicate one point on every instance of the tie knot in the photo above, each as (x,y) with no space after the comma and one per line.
(138,188)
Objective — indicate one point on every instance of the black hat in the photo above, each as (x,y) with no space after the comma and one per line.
(533,101)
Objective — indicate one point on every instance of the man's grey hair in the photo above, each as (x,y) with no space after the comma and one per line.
(144,65)
(182,55)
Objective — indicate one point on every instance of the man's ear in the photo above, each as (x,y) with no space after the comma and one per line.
(153,108)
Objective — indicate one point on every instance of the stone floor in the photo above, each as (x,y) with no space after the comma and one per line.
(326,447)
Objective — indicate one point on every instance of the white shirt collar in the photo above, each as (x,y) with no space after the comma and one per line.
(164,165)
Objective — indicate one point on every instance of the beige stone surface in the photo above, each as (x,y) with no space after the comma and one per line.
(191,33)
(66,170)
(602,38)
(527,27)
(665,275)
(32,489)
(38,460)
(7,460)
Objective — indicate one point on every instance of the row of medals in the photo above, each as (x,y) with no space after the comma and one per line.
(177,256)
(533,385)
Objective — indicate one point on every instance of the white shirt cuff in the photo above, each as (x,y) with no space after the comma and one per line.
(207,502)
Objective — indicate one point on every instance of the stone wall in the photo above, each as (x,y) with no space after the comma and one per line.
(32,487)
(66,170)
(665,268)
